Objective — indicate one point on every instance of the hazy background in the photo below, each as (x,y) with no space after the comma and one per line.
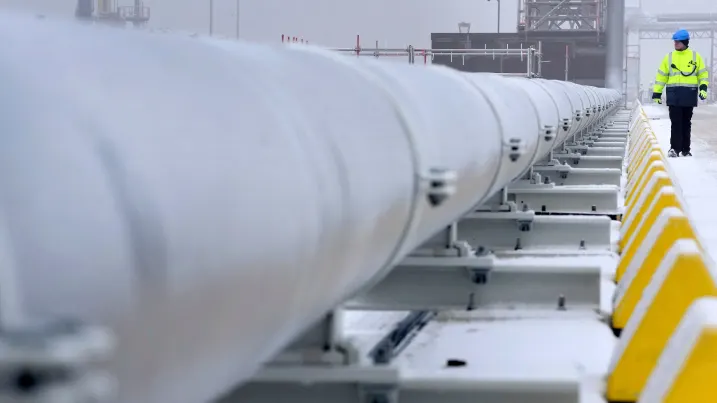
(335,23)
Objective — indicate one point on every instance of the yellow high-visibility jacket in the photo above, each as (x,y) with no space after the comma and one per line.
(684,74)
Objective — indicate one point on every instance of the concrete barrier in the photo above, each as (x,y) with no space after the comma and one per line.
(663,307)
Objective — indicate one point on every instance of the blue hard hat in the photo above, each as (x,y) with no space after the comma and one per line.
(681,35)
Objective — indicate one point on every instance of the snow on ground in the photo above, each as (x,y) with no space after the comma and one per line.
(519,346)
(530,346)
(515,344)
(696,176)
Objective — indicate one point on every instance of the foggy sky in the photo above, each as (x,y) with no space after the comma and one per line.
(335,23)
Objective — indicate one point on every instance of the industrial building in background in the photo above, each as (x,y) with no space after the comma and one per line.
(110,12)
(572,36)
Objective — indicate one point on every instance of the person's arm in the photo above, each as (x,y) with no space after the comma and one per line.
(661,79)
(703,75)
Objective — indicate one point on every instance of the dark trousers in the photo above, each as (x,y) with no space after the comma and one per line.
(681,118)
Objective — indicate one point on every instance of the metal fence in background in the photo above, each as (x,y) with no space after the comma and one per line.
(531,56)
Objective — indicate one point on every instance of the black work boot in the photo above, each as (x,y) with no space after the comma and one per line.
(672,153)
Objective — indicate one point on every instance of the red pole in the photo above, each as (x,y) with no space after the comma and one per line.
(282,38)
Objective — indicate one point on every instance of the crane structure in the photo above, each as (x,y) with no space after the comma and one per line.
(552,15)
(111,13)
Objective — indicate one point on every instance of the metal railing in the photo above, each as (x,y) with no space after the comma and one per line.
(530,55)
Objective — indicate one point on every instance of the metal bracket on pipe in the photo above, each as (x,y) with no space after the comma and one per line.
(617,137)
(319,357)
(525,231)
(565,175)
(306,381)
(438,283)
(607,142)
(618,134)
(549,198)
(55,363)
(601,143)
(397,381)
(319,346)
(589,161)
(619,121)
(595,149)
(577,148)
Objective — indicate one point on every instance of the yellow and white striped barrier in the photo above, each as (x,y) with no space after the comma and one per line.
(662,274)
(671,225)
(684,372)
(684,276)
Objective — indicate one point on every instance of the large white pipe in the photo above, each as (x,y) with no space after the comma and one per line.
(584,103)
(549,111)
(566,111)
(552,102)
(521,135)
(207,202)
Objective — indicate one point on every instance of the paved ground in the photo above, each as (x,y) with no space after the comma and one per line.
(704,127)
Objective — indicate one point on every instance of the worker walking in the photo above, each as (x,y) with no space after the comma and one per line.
(684,74)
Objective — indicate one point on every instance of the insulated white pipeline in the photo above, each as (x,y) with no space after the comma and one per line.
(208,200)
(566,113)
(580,106)
(589,105)
(549,114)
(564,107)
(520,137)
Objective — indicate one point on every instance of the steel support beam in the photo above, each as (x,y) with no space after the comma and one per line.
(491,260)
(615,44)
